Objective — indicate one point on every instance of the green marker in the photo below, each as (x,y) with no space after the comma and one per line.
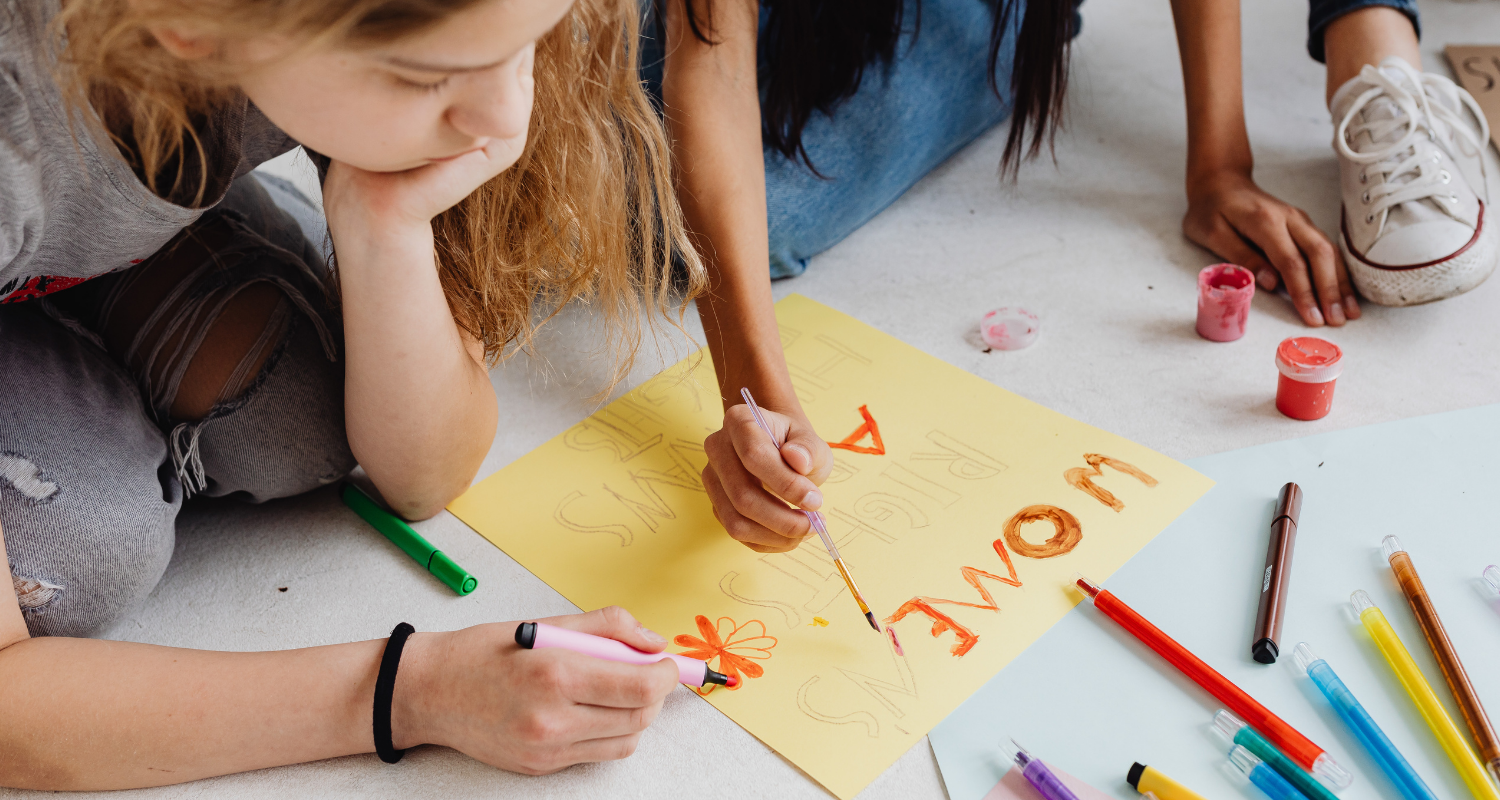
(1245,736)
(403,536)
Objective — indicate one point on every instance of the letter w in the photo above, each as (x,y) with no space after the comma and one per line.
(653,508)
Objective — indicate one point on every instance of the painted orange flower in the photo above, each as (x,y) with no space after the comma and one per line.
(734,649)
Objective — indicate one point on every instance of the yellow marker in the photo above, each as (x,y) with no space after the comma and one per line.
(1150,782)
(1416,685)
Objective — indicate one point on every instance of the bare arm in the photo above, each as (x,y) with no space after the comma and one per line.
(421,413)
(93,714)
(713,114)
(713,110)
(1227,212)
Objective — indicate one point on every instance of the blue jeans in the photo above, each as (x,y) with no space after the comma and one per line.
(906,118)
(1322,12)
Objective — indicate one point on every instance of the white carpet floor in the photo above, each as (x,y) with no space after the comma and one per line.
(1093,245)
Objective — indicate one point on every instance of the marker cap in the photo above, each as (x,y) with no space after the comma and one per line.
(1086,587)
(1244,760)
(1361,601)
(1227,724)
(1288,504)
(1390,546)
(1304,657)
(449,572)
(1133,777)
(1492,577)
(1018,754)
(1330,772)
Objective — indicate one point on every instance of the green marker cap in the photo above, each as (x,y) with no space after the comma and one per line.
(451,573)
(405,537)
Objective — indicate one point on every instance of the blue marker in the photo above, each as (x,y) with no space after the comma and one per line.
(1266,779)
(1365,730)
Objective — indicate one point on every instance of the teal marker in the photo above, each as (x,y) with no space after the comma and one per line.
(1245,736)
(403,536)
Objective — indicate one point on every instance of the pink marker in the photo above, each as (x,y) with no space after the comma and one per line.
(1309,368)
(1224,295)
(691,671)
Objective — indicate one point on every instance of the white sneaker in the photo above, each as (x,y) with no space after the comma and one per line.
(1415,224)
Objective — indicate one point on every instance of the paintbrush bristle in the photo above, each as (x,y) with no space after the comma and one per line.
(871,617)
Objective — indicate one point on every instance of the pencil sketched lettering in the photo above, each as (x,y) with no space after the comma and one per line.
(626,431)
(846,702)
(963,461)
(560,516)
(819,362)
(652,495)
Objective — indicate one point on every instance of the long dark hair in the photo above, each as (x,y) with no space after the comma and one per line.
(819,50)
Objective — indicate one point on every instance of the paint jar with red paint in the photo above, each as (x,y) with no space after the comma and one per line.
(1309,367)
(1224,295)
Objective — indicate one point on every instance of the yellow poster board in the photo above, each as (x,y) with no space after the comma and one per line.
(961,534)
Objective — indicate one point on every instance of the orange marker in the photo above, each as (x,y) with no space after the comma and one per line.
(1447,656)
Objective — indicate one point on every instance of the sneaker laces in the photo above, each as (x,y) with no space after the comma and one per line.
(1409,162)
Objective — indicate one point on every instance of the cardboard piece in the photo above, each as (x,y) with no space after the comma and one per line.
(960,508)
(1477,68)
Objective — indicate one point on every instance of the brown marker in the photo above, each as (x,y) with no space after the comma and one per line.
(1276,579)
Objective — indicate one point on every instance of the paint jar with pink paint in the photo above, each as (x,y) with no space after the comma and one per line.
(1010,328)
(1309,367)
(1224,295)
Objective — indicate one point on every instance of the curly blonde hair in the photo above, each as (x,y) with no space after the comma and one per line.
(588,212)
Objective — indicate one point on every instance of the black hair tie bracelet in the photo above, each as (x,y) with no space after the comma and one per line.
(385,686)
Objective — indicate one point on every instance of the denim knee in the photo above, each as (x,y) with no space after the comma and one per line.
(285,435)
(88,497)
(83,562)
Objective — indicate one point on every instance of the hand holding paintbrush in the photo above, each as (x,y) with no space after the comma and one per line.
(816,520)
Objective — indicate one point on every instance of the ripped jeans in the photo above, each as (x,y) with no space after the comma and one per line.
(94,466)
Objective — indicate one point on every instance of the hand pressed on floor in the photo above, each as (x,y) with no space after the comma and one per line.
(1240,222)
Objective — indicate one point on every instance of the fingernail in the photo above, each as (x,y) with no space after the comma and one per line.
(650,635)
(1336,313)
(1315,315)
(1351,307)
(1267,278)
(813,500)
(806,456)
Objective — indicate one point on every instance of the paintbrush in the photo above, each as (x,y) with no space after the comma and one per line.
(816,520)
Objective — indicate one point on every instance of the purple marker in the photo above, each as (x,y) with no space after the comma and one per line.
(691,671)
(1037,774)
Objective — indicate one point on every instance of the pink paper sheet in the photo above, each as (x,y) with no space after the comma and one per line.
(1013,786)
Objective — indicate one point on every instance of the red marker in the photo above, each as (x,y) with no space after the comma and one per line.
(1296,746)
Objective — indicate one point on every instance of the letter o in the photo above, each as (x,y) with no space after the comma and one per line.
(1068,533)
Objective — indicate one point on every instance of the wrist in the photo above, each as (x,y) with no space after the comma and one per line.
(1206,180)
(772,391)
(413,712)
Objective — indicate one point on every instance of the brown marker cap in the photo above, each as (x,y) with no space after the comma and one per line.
(1289,505)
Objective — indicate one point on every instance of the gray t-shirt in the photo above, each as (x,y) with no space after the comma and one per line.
(71,208)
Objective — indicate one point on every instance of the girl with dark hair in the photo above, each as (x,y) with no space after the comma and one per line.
(796,121)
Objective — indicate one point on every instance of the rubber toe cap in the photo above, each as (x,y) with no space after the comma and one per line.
(1420,243)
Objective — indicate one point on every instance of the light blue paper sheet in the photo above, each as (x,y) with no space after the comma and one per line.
(1091,699)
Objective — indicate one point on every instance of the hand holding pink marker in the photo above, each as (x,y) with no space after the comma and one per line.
(691,671)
